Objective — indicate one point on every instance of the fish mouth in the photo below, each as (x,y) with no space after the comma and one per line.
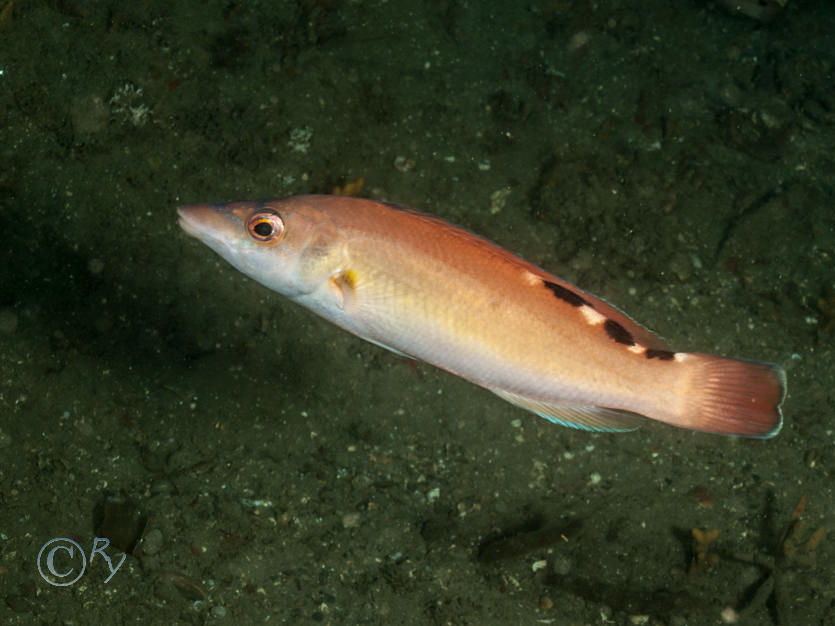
(188,220)
(211,224)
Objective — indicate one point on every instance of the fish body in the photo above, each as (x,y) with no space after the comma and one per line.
(422,287)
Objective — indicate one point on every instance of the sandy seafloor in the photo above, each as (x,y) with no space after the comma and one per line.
(670,157)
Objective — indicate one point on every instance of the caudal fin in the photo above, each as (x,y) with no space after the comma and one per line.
(733,397)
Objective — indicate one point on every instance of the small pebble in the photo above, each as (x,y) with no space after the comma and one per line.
(350,520)
(95,266)
(152,541)
(681,266)
(578,40)
(562,565)
(403,164)
(729,615)
(161,486)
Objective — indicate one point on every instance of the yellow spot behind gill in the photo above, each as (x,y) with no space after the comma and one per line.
(343,284)
(349,278)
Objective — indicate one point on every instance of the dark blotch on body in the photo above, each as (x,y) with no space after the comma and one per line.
(567,295)
(663,355)
(618,333)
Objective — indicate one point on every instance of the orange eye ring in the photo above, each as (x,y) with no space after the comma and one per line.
(265,226)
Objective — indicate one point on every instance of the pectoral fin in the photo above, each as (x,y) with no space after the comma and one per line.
(343,285)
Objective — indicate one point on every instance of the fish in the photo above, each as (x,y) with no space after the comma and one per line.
(424,288)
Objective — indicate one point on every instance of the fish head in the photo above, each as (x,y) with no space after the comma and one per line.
(285,244)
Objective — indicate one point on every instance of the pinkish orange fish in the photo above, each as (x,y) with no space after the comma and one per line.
(424,288)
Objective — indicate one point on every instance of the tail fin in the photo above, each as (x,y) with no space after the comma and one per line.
(733,397)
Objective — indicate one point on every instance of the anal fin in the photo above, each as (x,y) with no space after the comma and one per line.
(583,417)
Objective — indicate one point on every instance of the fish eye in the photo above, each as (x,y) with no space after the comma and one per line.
(265,226)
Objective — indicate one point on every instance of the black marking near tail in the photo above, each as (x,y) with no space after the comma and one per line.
(662,355)
(615,330)
(618,333)
(567,295)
